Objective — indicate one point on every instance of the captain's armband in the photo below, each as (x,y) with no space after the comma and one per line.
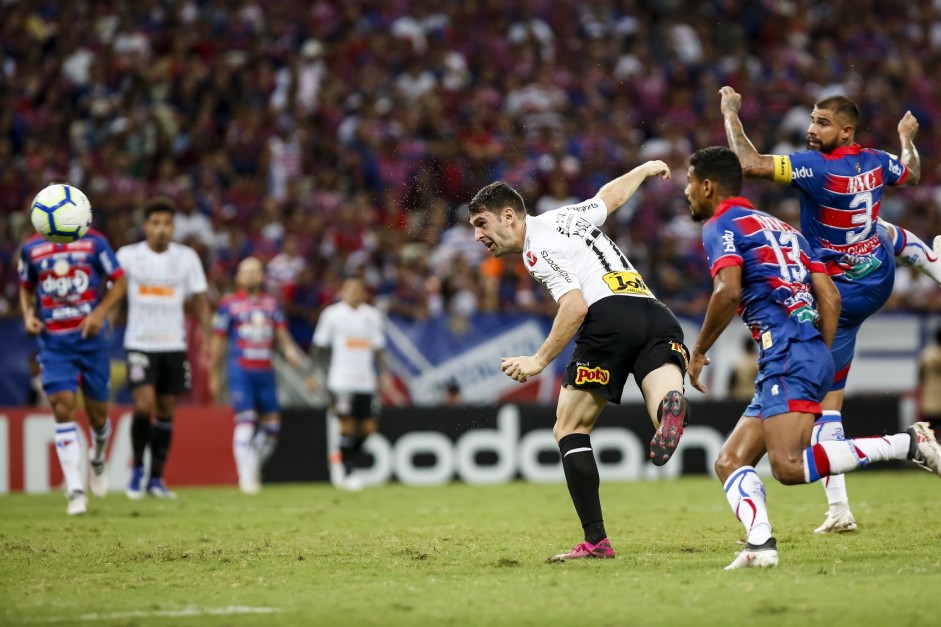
(782,169)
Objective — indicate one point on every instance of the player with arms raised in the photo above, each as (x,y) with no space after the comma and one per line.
(766,270)
(619,328)
(841,186)
(65,300)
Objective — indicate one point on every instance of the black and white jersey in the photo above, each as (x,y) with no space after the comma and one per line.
(566,250)
(157,286)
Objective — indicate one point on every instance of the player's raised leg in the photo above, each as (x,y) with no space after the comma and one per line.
(668,409)
(911,252)
(576,415)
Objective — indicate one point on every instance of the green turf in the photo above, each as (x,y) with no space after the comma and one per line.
(466,555)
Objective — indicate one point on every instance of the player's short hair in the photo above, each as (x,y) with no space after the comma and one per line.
(841,105)
(159,204)
(721,166)
(495,197)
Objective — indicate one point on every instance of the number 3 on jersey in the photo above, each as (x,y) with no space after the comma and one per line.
(624,282)
(787,253)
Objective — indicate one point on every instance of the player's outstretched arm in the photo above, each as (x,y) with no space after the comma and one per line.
(828,305)
(572,312)
(754,165)
(908,126)
(616,192)
(726,294)
(288,348)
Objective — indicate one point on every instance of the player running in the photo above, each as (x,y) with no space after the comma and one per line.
(65,299)
(766,270)
(841,186)
(253,321)
(619,328)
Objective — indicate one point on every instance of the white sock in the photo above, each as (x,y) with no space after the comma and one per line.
(914,253)
(746,495)
(100,440)
(830,427)
(835,457)
(70,455)
(266,441)
(246,457)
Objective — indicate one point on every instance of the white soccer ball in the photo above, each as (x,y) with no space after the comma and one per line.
(61,213)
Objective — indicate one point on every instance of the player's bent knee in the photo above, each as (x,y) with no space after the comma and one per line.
(727,463)
(788,472)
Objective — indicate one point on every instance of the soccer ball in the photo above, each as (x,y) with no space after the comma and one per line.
(61,213)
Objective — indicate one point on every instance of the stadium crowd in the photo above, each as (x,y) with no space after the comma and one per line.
(335,137)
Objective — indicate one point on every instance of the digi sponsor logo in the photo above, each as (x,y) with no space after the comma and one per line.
(531,258)
(677,347)
(802,172)
(584,374)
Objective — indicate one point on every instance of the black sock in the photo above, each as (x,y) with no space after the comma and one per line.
(140,435)
(160,434)
(581,474)
(348,451)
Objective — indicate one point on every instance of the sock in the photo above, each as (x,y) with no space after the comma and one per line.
(581,475)
(746,495)
(348,451)
(914,253)
(839,456)
(830,427)
(70,456)
(266,441)
(100,441)
(246,458)
(161,432)
(140,435)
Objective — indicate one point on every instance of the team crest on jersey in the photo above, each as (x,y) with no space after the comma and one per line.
(584,374)
(684,353)
(531,258)
(61,267)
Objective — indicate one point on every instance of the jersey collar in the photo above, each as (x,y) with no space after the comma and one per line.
(842,151)
(728,203)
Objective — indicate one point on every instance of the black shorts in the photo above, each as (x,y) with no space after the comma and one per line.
(355,405)
(624,335)
(169,371)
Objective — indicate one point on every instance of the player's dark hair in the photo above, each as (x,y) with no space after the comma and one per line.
(495,197)
(159,204)
(841,105)
(721,166)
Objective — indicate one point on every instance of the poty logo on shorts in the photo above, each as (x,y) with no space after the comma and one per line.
(679,348)
(591,375)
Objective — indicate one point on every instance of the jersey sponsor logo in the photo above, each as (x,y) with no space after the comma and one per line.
(802,172)
(584,374)
(728,242)
(165,291)
(677,347)
(357,343)
(862,182)
(63,280)
(555,266)
(753,222)
(531,258)
(626,282)
(895,168)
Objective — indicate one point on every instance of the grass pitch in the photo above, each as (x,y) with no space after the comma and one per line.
(468,555)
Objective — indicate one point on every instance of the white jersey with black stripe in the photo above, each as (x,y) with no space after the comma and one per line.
(157,287)
(566,250)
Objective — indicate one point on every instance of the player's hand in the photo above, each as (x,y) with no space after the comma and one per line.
(213,381)
(908,126)
(697,361)
(521,368)
(33,324)
(91,325)
(731,101)
(310,382)
(658,168)
(292,357)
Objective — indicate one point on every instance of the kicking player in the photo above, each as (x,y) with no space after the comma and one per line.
(766,270)
(253,321)
(618,325)
(65,299)
(161,275)
(350,338)
(841,186)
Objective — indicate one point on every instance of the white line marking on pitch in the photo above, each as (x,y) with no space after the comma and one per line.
(181,613)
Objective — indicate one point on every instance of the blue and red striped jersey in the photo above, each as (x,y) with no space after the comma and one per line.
(250,323)
(777,304)
(69,280)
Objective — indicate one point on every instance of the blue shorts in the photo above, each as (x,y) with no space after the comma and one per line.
(253,390)
(861,298)
(63,367)
(794,382)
